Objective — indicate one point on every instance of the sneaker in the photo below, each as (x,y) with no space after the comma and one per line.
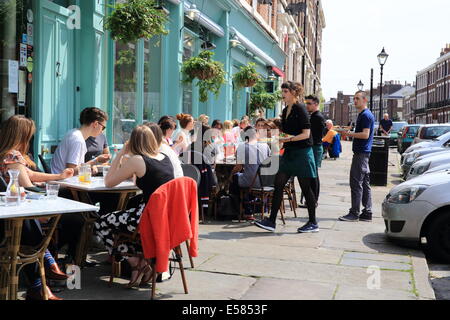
(349,218)
(266,224)
(366,217)
(309,228)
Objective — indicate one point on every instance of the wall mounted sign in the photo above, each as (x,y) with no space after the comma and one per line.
(22,96)
(30,64)
(30,15)
(23,55)
(13,76)
(30,33)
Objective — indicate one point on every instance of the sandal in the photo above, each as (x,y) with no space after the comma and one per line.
(136,282)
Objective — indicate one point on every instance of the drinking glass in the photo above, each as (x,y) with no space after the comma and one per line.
(52,191)
(106,170)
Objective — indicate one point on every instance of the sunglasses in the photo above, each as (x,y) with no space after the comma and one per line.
(104,128)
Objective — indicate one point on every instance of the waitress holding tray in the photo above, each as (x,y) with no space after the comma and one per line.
(297,160)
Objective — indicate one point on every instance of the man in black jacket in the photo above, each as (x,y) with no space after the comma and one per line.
(318,128)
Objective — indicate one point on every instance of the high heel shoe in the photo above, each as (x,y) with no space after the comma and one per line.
(54,273)
(137,281)
(148,276)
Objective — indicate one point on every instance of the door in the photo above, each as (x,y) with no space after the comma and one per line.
(58,78)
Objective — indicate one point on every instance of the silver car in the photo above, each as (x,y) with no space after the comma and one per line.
(431,131)
(428,162)
(419,211)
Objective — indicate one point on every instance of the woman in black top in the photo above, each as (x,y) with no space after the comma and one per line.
(141,158)
(298,158)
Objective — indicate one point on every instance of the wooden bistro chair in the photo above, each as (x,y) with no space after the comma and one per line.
(267,182)
(289,194)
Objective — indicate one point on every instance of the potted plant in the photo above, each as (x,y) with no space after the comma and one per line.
(260,99)
(247,77)
(136,19)
(210,74)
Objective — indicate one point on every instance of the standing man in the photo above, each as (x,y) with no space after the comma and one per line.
(317,130)
(360,172)
(386,126)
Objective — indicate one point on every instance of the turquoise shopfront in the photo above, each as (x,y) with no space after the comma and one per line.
(75,64)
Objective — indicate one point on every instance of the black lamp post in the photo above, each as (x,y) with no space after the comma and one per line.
(360,86)
(382,58)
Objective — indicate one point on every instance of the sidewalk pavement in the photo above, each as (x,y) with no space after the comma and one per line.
(242,262)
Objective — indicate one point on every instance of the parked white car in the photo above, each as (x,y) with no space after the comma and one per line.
(428,162)
(441,168)
(429,132)
(419,211)
(435,143)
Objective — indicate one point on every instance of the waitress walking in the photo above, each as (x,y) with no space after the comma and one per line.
(297,160)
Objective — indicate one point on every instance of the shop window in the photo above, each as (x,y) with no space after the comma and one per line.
(189,44)
(125,84)
(152,79)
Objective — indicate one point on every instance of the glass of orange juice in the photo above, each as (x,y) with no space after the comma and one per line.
(85,175)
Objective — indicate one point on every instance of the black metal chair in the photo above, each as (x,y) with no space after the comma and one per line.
(44,164)
(266,175)
(191,171)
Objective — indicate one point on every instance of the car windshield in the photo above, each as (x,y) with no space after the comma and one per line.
(398,125)
(435,132)
(413,130)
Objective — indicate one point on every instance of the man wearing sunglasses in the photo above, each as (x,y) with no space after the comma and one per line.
(317,131)
(360,171)
(72,150)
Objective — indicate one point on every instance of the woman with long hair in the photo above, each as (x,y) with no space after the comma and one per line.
(16,135)
(139,158)
(229,139)
(187,124)
(297,160)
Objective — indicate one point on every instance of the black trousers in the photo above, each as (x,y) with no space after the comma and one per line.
(308,189)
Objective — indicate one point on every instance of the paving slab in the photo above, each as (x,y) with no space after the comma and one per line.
(377,257)
(316,272)
(356,293)
(380,264)
(279,289)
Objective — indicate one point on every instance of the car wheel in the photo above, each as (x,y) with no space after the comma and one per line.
(438,237)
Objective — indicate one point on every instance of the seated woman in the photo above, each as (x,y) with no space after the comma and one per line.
(187,125)
(140,157)
(166,150)
(249,157)
(229,138)
(329,138)
(168,126)
(16,135)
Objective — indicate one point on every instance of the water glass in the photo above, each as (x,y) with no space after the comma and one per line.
(52,191)
(105,170)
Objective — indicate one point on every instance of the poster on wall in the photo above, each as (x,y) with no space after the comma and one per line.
(22,96)
(13,76)
(23,55)
(30,33)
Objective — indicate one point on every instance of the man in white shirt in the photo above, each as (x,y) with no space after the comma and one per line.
(72,149)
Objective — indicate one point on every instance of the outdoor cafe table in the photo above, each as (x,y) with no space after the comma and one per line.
(80,190)
(12,256)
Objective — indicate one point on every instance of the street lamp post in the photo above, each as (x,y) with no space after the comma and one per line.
(382,58)
(360,85)
(371,89)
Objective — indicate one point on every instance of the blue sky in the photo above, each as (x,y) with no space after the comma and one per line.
(413,33)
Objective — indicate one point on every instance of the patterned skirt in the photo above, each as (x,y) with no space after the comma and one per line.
(297,162)
(108,225)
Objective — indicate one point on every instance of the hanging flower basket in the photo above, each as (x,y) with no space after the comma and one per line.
(247,76)
(210,74)
(136,19)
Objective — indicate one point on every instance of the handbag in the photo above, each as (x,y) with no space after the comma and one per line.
(225,208)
